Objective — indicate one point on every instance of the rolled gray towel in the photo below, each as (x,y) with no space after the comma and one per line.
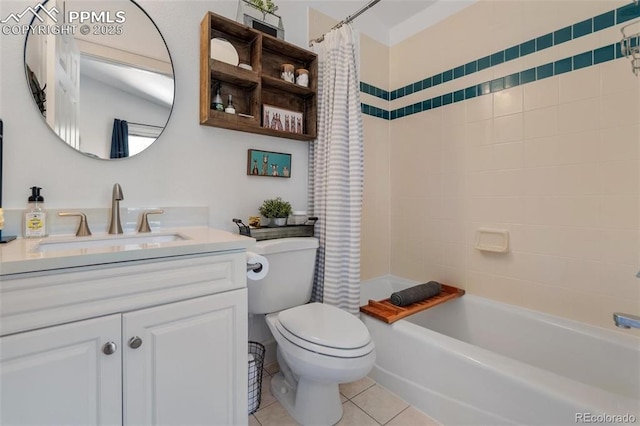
(415,294)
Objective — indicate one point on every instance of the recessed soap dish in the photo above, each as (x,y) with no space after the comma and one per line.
(493,240)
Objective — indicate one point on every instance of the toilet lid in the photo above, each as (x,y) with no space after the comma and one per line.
(325,325)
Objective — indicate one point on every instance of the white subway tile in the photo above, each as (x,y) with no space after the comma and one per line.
(453,184)
(619,212)
(479,108)
(509,101)
(620,246)
(541,122)
(479,158)
(541,151)
(453,136)
(569,180)
(454,256)
(507,156)
(479,183)
(541,93)
(619,143)
(508,128)
(454,114)
(572,242)
(496,209)
(580,84)
(618,281)
(576,148)
(616,76)
(479,261)
(479,132)
(453,160)
(453,276)
(450,231)
(620,109)
(579,116)
(580,275)
(620,177)
(562,211)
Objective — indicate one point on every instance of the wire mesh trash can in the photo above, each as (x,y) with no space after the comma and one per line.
(256,362)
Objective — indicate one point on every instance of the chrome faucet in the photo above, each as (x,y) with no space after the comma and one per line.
(115,227)
(626,320)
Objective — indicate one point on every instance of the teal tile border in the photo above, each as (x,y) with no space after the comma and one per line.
(563,35)
(572,63)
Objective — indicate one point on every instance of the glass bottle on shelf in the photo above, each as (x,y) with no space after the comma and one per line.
(230,108)
(217,100)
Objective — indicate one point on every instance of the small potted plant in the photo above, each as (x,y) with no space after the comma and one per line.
(277,210)
(265,7)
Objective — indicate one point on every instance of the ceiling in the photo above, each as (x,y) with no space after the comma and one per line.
(391,21)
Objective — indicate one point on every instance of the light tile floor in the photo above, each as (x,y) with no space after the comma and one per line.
(365,403)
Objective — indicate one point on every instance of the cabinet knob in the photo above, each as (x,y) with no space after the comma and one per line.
(135,342)
(109,348)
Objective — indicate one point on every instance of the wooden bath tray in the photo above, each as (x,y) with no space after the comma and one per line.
(386,311)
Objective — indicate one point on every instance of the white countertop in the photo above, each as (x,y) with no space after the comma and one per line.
(22,255)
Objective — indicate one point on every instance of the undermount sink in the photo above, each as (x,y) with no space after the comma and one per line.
(124,242)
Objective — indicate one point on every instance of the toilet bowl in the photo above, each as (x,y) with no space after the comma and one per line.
(318,346)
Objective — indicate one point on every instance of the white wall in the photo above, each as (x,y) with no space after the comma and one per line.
(95,129)
(189,165)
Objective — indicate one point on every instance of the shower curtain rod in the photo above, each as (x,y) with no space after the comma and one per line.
(346,20)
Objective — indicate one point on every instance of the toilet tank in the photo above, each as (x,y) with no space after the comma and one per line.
(290,278)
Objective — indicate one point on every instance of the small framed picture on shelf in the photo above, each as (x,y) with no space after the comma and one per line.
(266,163)
(282,119)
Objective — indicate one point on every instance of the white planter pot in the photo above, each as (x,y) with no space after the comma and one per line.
(279,221)
(247,14)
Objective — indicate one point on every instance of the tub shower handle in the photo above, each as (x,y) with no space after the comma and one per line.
(135,342)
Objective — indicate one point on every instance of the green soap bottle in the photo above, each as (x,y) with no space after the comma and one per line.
(35,217)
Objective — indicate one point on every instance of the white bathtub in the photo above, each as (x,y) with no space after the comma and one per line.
(476,361)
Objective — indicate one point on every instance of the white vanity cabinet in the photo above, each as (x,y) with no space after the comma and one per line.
(60,375)
(158,341)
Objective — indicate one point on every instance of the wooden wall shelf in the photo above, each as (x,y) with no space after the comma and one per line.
(253,88)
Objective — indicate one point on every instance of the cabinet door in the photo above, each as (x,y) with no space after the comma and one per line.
(189,365)
(61,375)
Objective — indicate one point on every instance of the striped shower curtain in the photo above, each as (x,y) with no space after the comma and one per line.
(336,167)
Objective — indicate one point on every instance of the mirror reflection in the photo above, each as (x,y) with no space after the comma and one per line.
(107,89)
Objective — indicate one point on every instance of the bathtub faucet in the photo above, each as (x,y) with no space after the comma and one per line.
(626,320)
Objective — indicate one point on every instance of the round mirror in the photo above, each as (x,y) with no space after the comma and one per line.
(100,74)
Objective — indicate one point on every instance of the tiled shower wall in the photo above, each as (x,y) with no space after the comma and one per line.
(553,158)
(461,133)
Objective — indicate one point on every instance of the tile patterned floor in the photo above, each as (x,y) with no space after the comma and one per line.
(365,403)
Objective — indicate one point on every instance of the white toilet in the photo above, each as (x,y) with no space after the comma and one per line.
(319,346)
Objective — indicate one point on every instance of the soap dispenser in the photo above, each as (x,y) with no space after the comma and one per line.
(35,217)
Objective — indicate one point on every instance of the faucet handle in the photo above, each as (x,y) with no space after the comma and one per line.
(144,221)
(83,227)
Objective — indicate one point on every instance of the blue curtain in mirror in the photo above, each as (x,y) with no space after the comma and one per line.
(120,139)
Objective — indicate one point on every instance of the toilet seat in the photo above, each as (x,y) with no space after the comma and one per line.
(325,329)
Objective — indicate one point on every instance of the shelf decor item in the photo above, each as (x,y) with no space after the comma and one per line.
(260,15)
(257,82)
(266,163)
(277,210)
(302,77)
(281,119)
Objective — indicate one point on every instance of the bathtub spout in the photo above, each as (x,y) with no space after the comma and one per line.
(626,320)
